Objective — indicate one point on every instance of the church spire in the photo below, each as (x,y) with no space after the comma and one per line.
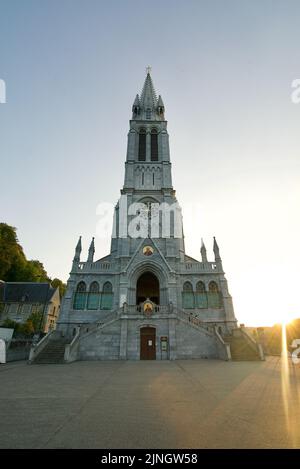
(160,106)
(216,251)
(148,96)
(147,106)
(203,251)
(136,107)
(78,250)
(91,251)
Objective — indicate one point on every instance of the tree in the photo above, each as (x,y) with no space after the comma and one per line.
(12,257)
(31,326)
(14,267)
(56,283)
(35,272)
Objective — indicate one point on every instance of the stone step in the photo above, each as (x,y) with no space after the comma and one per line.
(52,353)
(241,350)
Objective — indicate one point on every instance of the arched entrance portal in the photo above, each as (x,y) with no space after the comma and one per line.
(147,287)
(148,343)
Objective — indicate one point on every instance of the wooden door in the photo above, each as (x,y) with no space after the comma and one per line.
(148,348)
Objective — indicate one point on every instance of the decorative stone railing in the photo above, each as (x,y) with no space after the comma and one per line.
(194,321)
(192,267)
(253,344)
(93,326)
(94,266)
(223,347)
(71,350)
(138,309)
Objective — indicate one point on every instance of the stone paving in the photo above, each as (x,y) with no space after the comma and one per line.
(178,404)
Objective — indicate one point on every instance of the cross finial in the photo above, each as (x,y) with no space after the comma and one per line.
(148,69)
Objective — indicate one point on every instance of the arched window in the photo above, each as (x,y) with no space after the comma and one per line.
(187,296)
(80,296)
(214,297)
(200,287)
(187,287)
(148,113)
(201,297)
(94,296)
(107,296)
(142,145)
(213,287)
(154,145)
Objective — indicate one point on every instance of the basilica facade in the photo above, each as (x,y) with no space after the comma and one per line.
(147,299)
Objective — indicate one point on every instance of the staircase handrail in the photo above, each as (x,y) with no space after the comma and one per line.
(195,322)
(71,349)
(100,322)
(39,346)
(224,347)
(252,342)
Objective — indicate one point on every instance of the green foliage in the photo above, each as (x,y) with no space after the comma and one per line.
(35,320)
(14,267)
(12,257)
(56,283)
(35,272)
(30,327)
(9,324)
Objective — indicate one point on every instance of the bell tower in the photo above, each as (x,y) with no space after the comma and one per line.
(148,164)
(148,180)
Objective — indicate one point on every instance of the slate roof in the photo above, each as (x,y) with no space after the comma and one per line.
(26,291)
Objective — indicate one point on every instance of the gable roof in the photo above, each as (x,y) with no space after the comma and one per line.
(29,292)
(145,242)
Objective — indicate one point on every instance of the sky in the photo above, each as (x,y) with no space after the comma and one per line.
(225,72)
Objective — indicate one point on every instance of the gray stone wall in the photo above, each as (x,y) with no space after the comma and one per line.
(193,343)
(102,344)
(121,340)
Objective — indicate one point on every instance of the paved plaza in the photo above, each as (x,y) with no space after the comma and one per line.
(122,404)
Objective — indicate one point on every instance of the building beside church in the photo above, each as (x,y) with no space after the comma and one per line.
(18,300)
(147,299)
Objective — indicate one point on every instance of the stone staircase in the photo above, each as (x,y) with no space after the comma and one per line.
(241,350)
(53,352)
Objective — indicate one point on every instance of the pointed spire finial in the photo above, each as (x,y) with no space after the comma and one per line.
(216,250)
(78,250)
(148,98)
(136,107)
(147,106)
(203,251)
(91,251)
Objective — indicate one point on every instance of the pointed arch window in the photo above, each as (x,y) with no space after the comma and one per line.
(213,287)
(80,296)
(107,296)
(148,113)
(214,296)
(154,145)
(142,145)
(93,296)
(201,296)
(187,296)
